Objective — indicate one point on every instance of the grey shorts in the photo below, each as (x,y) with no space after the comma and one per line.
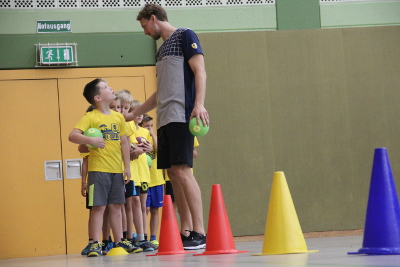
(105,188)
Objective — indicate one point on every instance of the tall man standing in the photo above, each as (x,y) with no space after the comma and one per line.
(180,96)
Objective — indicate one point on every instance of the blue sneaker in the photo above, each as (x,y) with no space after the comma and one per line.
(85,251)
(95,249)
(107,247)
(145,245)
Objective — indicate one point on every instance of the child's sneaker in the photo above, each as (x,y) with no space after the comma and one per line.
(95,249)
(134,236)
(107,246)
(85,251)
(155,243)
(128,246)
(145,245)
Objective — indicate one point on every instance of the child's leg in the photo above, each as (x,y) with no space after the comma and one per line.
(137,215)
(106,224)
(116,221)
(143,198)
(154,221)
(96,221)
(129,217)
(123,216)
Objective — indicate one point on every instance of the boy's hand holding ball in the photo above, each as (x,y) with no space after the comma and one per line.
(97,140)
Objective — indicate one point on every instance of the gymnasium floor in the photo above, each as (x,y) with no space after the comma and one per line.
(332,252)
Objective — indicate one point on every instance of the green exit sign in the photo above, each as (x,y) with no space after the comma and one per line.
(56,55)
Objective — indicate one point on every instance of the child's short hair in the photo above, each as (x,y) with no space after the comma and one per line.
(124,95)
(90,108)
(146,118)
(135,104)
(91,90)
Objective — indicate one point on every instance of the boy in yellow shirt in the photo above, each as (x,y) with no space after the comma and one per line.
(156,186)
(105,174)
(144,174)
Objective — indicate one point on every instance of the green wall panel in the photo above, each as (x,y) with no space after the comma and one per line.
(261,17)
(360,14)
(296,15)
(94,50)
(313,104)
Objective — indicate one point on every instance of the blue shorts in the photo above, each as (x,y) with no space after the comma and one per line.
(130,189)
(137,191)
(155,197)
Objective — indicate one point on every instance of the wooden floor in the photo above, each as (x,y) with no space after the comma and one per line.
(333,248)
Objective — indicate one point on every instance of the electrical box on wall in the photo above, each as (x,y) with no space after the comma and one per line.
(53,170)
(74,167)
(56,55)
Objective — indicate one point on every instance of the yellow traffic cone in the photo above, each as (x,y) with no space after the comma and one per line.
(117,251)
(283,233)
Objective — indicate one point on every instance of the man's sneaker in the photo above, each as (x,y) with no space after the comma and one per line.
(107,247)
(95,249)
(85,251)
(185,238)
(145,245)
(128,246)
(155,243)
(195,241)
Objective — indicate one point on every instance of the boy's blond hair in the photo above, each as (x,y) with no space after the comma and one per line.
(135,104)
(124,95)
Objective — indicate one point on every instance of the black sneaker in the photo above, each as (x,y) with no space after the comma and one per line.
(194,241)
(185,238)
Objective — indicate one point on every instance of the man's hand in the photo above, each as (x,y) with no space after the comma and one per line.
(129,116)
(201,114)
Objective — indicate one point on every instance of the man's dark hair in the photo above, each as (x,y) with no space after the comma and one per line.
(91,90)
(152,9)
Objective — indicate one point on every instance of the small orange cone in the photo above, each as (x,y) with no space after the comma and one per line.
(170,238)
(219,235)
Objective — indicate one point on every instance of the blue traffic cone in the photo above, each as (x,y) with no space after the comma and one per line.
(382,223)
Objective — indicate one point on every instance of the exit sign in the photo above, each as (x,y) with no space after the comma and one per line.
(53,26)
(56,55)
(52,55)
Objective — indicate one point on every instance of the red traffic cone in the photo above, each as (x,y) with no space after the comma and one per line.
(219,235)
(170,238)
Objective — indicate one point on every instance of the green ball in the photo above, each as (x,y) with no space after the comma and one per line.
(149,160)
(197,130)
(93,132)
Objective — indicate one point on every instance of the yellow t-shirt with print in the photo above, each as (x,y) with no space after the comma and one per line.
(112,126)
(134,163)
(156,175)
(131,136)
(195,144)
(143,166)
